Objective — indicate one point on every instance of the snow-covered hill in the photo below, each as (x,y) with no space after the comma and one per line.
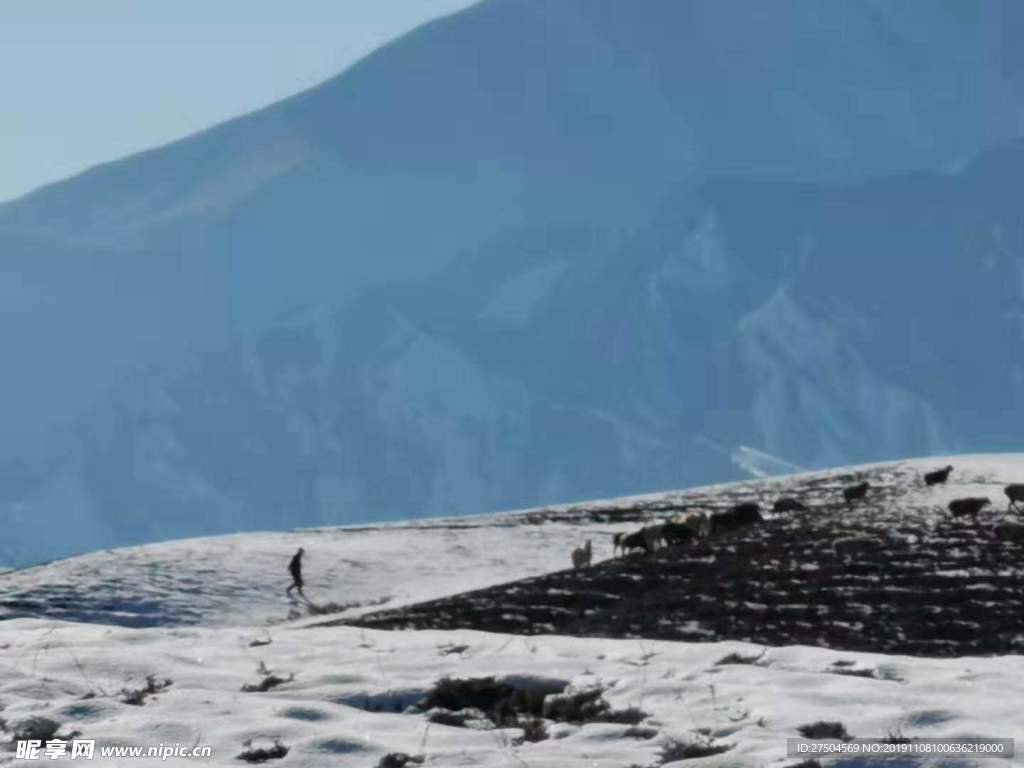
(240,578)
(349,701)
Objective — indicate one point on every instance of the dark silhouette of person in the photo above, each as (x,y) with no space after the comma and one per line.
(295,569)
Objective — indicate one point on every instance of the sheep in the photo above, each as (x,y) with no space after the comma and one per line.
(653,535)
(938,476)
(735,518)
(647,538)
(629,541)
(855,492)
(1010,532)
(1015,493)
(698,521)
(679,533)
(968,507)
(581,556)
(788,504)
(701,521)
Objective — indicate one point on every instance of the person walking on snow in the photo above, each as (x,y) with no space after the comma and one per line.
(295,569)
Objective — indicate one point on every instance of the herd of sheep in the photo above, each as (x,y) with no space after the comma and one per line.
(703,526)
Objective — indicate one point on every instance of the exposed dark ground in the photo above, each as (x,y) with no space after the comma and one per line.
(915,582)
(920,584)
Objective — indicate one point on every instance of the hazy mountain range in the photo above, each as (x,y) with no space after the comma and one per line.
(532,252)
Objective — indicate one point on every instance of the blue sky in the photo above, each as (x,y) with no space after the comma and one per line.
(86,81)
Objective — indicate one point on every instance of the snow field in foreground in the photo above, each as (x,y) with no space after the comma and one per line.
(47,667)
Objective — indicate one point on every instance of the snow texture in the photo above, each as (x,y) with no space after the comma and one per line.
(215,603)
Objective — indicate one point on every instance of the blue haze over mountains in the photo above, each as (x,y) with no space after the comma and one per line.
(533,252)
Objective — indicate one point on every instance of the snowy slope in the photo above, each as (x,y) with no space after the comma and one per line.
(321,715)
(239,579)
(348,702)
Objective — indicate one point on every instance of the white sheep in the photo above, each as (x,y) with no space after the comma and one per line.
(581,556)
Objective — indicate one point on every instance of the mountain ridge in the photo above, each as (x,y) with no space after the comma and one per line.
(571,163)
(567,363)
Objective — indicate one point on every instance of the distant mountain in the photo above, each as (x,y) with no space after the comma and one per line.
(510,114)
(555,250)
(787,318)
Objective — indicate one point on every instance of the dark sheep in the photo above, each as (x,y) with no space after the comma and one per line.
(856,492)
(630,541)
(968,507)
(938,476)
(1015,493)
(679,533)
(788,504)
(733,519)
(653,535)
